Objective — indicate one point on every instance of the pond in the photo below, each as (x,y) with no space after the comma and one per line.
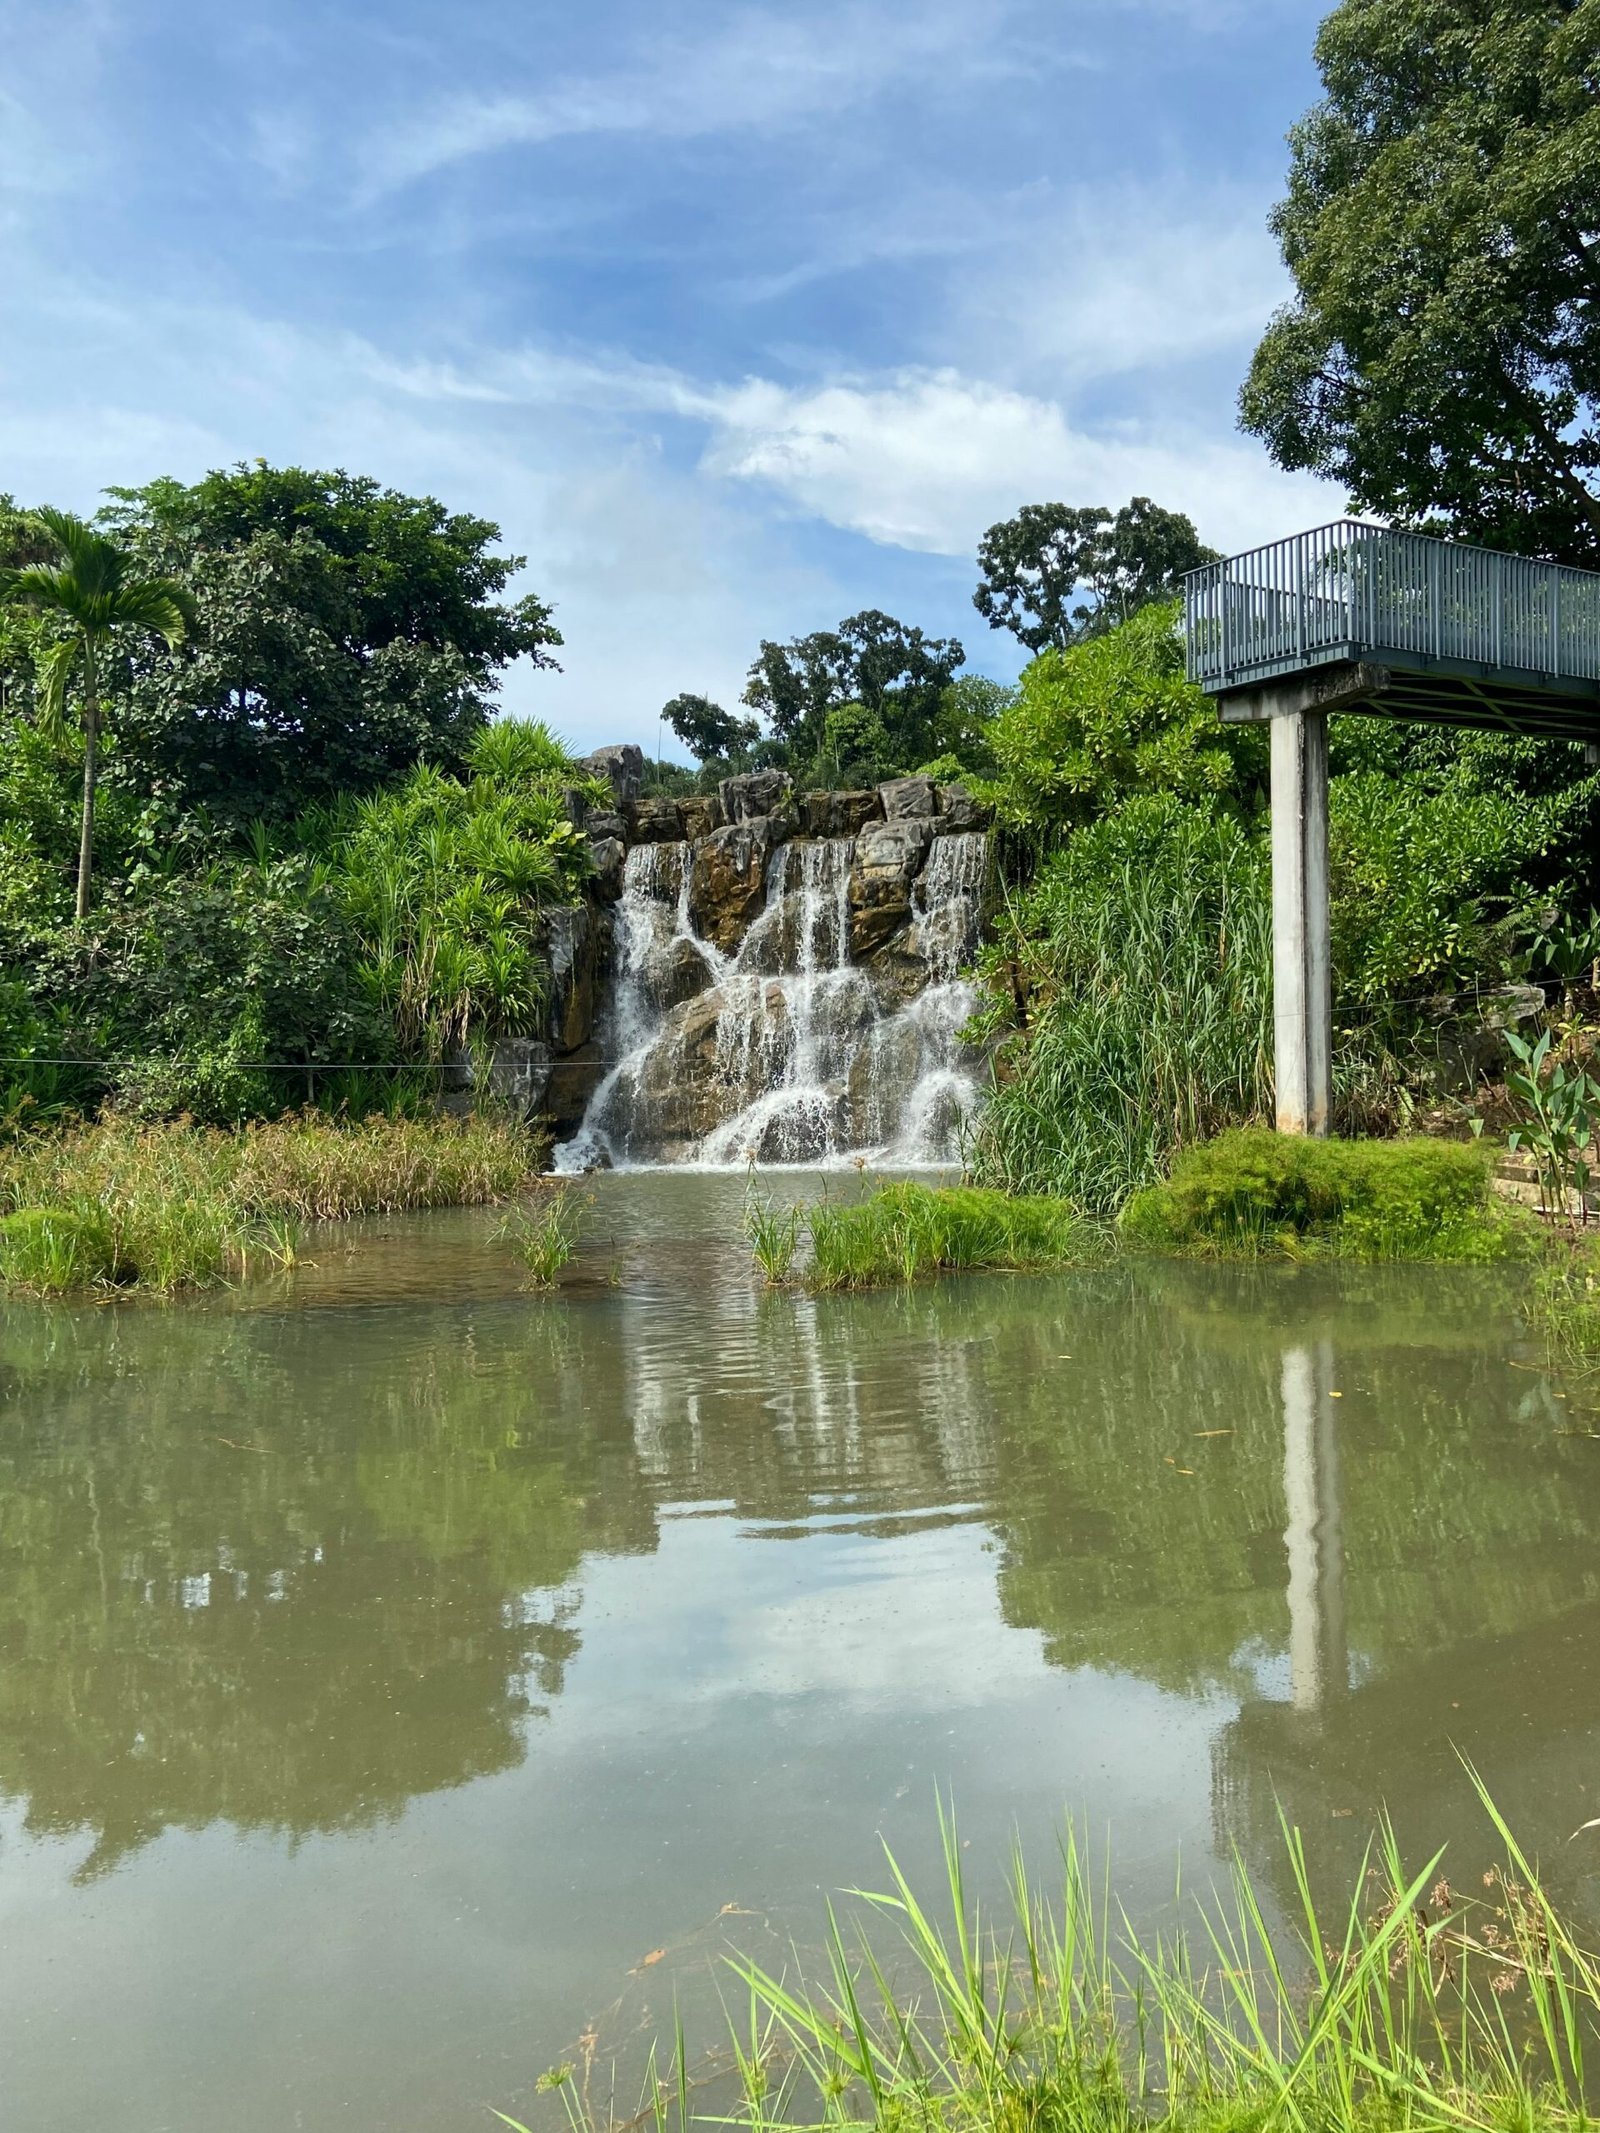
(408,1681)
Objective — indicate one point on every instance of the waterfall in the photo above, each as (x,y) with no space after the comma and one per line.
(784,1047)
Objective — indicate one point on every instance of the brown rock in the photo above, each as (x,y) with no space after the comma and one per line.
(608,858)
(701,815)
(728,882)
(959,812)
(653,821)
(840,814)
(887,858)
(908,799)
(753,793)
(572,943)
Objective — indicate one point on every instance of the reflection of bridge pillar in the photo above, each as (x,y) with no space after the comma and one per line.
(1319,1664)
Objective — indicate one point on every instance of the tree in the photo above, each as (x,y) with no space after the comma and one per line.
(710,734)
(93,590)
(344,632)
(1441,356)
(891,670)
(1032,567)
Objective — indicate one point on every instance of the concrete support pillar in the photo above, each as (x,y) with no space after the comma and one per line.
(1302,1005)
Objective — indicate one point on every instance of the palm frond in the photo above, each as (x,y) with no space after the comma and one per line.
(159,604)
(55,671)
(96,565)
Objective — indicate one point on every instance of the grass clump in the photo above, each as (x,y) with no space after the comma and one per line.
(1253,1191)
(545,1237)
(1411,2006)
(117,1204)
(775,1235)
(904,1231)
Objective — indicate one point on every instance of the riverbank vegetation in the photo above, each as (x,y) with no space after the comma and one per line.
(1414,2004)
(904,1231)
(121,1205)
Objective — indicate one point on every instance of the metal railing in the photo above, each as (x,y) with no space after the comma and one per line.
(1346,590)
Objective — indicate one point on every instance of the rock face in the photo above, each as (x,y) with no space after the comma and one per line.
(908,799)
(653,821)
(959,813)
(728,881)
(840,814)
(888,856)
(607,856)
(701,815)
(755,792)
(573,941)
(622,765)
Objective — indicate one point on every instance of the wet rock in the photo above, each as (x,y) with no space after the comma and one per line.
(701,815)
(571,1084)
(728,881)
(673,973)
(888,857)
(623,766)
(753,793)
(519,1074)
(608,858)
(840,814)
(908,799)
(572,942)
(656,820)
(959,812)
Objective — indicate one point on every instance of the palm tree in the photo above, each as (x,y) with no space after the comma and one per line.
(91,590)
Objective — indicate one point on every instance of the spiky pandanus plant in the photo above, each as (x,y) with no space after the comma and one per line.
(93,589)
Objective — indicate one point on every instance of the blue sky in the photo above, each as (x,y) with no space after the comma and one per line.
(736,318)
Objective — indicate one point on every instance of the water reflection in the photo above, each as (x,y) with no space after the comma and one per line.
(528,1634)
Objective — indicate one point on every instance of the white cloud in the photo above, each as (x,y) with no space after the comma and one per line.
(926,460)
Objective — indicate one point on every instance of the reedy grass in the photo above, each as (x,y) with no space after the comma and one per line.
(775,1235)
(165,1207)
(545,1237)
(905,1231)
(1412,2008)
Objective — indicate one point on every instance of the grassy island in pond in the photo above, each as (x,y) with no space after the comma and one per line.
(164,1207)
(905,1231)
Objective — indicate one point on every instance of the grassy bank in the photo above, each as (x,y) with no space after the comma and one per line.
(1254,1192)
(1415,2006)
(904,1232)
(121,1205)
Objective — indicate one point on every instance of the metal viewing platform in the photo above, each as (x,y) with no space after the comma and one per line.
(1402,625)
(1352,617)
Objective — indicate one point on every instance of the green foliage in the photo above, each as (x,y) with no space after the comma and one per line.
(1136,978)
(344,631)
(892,672)
(545,1236)
(448,880)
(904,1231)
(1032,566)
(1561,1103)
(710,734)
(1440,356)
(775,1234)
(1111,717)
(1255,1191)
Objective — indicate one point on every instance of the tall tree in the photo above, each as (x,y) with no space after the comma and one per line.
(895,672)
(344,632)
(95,593)
(1057,573)
(710,734)
(1441,356)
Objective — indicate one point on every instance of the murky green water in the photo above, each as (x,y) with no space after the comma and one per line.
(392,1661)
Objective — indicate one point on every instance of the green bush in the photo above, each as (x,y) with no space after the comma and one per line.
(904,1231)
(1256,1191)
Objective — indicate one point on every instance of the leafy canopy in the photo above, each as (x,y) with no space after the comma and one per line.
(343,633)
(710,734)
(893,672)
(1441,356)
(1034,567)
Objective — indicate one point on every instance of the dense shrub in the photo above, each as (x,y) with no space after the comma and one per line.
(1258,1191)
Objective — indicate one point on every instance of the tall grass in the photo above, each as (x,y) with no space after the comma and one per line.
(174,1206)
(903,1232)
(1414,2007)
(545,1236)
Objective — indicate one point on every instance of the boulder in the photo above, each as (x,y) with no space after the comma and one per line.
(574,805)
(840,814)
(519,1074)
(728,881)
(607,823)
(656,820)
(623,766)
(959,813)
(908,800)
(753,793)
(608,858)
(672,973)
(572,1082)
(888,857)
(572,943)
(701,815)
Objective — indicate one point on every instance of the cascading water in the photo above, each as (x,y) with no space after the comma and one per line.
(783,1048)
